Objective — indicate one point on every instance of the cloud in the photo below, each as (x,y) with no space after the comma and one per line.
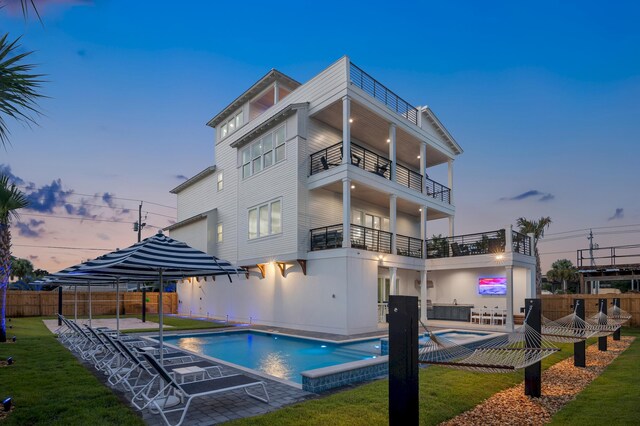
(33,257)
(102,236)
(108,199)
(619,214)
(5,169)
(31,228)
(181,177)
(82,53)
(532,193)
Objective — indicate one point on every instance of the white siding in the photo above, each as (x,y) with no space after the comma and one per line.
(198,198)
(194,233)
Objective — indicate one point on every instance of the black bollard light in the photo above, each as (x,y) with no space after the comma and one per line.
(10,360)
(13,339)
(602,341)
(579,348)
(6,404)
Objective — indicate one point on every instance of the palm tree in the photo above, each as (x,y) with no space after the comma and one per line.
(18,87)
(535,227)
(11,200)
(21,268)
(563,270)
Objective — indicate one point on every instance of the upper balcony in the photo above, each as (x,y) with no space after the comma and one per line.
(492,242)
(367,160)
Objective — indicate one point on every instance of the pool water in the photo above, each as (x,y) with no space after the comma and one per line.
(458,336)
(284,357)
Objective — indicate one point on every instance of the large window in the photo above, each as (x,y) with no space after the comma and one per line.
(263,153)
(220,181)
(265,219)
(232,125)
(219,233)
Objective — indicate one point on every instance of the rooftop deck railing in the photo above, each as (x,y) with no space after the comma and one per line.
(363,238)
(466,245)
(380,92)
(521,243)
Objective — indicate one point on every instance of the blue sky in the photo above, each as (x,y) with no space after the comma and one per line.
(542,97)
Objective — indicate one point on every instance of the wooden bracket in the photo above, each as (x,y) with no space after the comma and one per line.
(283,268)
(303,265)
(262,267)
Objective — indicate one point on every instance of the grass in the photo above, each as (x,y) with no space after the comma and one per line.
(444,393)
(176,323)
(49,386)
(610,398)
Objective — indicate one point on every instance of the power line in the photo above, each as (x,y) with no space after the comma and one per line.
(63,247)
(85,218)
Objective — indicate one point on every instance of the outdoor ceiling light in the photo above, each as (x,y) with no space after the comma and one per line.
(388,140)
(7,403)
(351,120)
(499,257)
(353,187)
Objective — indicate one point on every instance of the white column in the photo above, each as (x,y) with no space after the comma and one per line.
(451,226)
(423,165)
(423,295)
(531,283)
(346,130)
(423,230)
(346,212)
(508,239)
(392,150)
(450,179)
(393,275)
(509,270)
(392,222)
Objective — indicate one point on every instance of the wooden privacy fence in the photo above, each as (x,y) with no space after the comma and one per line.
(45,303)
(558,305)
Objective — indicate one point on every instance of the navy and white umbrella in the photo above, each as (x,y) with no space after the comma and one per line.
(159,257)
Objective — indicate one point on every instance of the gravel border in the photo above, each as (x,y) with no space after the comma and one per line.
(560,384)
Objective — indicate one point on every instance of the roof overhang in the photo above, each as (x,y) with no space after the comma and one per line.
(188,221)
(259,86)
(203,174)
(457,149)
(269,123)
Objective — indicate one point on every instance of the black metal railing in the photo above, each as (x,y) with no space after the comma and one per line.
(408,246)
(609,256)
(521,243)
(326,158)
(380,92)
(363,238)
(408,178)
(437,190)
(466,245)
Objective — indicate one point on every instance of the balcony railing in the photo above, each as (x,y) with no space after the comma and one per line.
(380,92)
(466,245)
(408,246)
(408,178)
(363,238)
(438,191)
(521,243)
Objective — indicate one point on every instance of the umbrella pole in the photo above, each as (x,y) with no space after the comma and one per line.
(75,304)
(89,303)
(161,337)
(118,307)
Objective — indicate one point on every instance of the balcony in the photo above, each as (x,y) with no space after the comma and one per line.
(521,243)
(378,91)
(370,239)
(409,246)
(365,159)
(467,245)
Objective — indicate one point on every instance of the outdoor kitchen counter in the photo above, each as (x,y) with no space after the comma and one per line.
(451,312)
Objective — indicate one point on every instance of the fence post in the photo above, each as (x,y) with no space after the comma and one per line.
(144,305)
(533,373)
(403,360)
(579,348)
(602,341)
(60,305)
(616,303)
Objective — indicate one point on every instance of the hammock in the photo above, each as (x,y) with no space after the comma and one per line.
(619,315)
(501,354)
(568,329)
(603,323)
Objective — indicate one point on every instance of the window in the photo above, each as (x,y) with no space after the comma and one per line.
(220,181)
(263,153)
(219,233)
(231,125)
(265,220)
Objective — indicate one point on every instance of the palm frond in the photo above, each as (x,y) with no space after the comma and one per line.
(11,200)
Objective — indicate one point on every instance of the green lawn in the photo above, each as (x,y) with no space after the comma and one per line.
(177,323)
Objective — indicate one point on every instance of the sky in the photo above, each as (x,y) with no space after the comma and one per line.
(543,97)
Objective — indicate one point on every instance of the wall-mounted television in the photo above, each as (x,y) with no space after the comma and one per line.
(492,286)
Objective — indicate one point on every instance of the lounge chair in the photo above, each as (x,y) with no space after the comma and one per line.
(192,390)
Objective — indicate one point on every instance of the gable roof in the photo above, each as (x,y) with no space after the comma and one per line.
(203,174)
(442,130)
(259,86)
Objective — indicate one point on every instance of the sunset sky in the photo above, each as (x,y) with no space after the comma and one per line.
(544,99)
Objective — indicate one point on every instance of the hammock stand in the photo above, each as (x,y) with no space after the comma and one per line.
(603,323)
(512,351)
(570,328)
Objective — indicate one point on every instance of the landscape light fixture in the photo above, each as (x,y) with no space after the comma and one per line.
(10,360)
(6,404)
(13,339)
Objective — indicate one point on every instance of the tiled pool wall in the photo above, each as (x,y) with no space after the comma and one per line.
(471,343)
(323,379)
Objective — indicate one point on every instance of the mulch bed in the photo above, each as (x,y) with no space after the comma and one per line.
(560,384)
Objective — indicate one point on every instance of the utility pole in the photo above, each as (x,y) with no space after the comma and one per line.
(137,226)
(595,285)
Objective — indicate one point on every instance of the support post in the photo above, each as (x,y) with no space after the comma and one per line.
(424,295)
(602,341)
(616,334)
(533,373)
(144,304)
(510,321)
(393,278)
(346,130)
(450,179)
(392,151)
(423,166)
(346,212)
(403,361)
(59,305)
(392,223)
(579,348)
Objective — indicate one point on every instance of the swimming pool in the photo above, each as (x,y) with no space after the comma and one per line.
(281,356)
(458,336)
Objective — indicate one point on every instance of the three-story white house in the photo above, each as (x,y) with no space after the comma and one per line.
(323,192)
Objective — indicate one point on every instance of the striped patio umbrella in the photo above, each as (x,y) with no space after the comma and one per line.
(159,257)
